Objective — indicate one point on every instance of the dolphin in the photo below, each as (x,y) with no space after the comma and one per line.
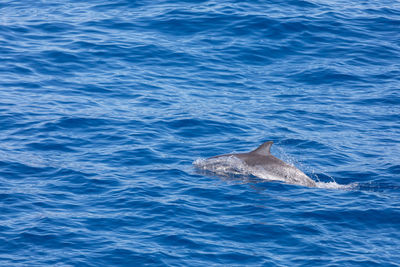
(262,164)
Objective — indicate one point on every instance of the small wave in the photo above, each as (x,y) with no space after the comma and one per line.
(334,185)
(223,165)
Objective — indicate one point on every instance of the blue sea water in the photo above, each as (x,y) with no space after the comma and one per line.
(105,105)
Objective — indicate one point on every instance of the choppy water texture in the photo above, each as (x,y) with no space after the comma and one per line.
(104,106)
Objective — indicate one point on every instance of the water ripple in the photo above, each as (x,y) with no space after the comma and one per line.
(104,105)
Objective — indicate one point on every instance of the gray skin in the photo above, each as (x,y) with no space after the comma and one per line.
(261,158)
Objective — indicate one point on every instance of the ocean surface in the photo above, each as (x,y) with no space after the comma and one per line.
(105,105)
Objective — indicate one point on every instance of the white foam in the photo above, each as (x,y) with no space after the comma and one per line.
(334,185)
(223,165)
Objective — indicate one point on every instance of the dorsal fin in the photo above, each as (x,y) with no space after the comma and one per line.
(264,149)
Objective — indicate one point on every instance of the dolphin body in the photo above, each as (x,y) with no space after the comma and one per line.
(262,164)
